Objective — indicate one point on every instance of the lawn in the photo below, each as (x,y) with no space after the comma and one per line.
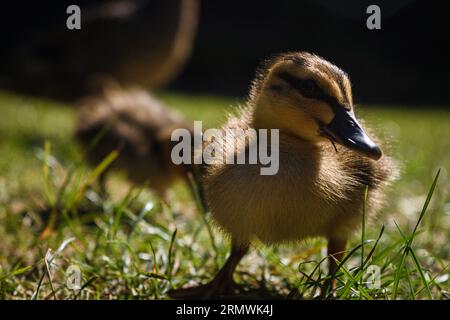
(132,245)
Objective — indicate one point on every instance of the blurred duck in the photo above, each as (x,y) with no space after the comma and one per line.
(139,127)
(119,39)
(326,160)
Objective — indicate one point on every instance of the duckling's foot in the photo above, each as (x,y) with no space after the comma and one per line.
(326,290)
(222,284)
(214,289)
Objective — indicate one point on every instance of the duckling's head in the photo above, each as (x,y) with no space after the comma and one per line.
(310,98)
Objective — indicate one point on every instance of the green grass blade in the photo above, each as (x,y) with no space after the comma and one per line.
(169,257)
(411,238)
(46,173)
(422,275)
(196,194)
(363,228)
(371,252)
(15,273)
(425,206)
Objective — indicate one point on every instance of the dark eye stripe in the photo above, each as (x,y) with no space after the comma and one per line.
(300,84)
(318,93)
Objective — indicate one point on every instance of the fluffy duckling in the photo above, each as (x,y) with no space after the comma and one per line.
(139,127)
(326,160)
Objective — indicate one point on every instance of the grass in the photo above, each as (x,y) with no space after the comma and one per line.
(132,245)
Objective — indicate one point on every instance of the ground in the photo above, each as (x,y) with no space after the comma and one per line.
(132,245)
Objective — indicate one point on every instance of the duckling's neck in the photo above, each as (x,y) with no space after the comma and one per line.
(256,118)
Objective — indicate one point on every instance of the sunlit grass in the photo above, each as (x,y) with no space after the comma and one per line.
(133,245)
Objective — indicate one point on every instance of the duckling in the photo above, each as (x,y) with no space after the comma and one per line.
(326,160)
(137,125)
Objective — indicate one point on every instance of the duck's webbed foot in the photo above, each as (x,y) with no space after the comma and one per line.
(222,284)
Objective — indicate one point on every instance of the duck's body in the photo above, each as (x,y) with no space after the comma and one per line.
(326,160)
(317,191)
(137,125)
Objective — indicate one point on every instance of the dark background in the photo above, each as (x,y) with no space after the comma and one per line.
(405,62)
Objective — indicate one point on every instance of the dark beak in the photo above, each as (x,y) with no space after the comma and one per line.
(345,130)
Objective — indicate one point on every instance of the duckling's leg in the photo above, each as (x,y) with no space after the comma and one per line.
(222,284)
(336,251)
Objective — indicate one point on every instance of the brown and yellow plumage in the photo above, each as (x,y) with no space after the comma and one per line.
(326,160)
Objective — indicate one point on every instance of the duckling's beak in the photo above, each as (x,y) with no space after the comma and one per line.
(345,130)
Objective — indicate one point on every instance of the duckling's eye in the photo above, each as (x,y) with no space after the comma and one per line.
(309,87)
